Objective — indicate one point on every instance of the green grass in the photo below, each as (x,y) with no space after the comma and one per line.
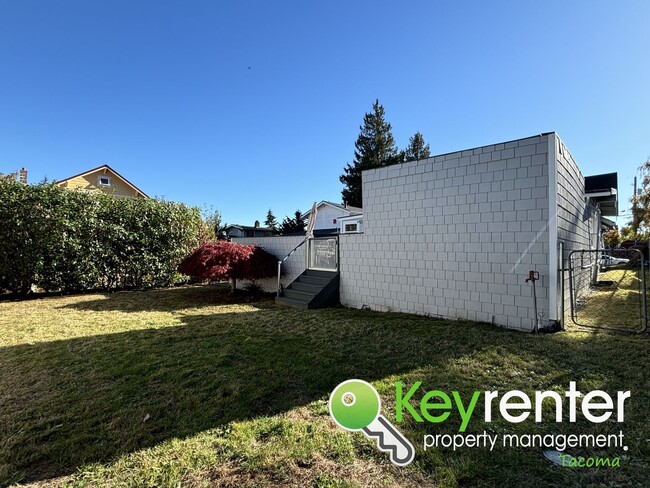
(190,386)
(618,306)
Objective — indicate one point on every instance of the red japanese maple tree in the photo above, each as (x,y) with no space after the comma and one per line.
(222,260)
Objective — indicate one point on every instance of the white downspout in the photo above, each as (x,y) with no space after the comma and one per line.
(552,229)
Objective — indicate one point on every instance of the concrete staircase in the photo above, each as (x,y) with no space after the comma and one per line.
(312,289)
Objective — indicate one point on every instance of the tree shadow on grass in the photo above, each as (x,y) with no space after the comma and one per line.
(163,299)
(68,403)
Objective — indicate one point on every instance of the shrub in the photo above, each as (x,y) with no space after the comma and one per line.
(64,240)
(224,260)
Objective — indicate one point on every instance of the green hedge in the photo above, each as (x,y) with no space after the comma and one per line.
(62,240)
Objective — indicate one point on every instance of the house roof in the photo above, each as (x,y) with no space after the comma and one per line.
(351,216)
(317,232)
(104,167)
(608,224)
(248,227)
(349,208)
(603,190)
(601,182)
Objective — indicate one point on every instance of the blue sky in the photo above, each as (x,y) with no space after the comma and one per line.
(249,105)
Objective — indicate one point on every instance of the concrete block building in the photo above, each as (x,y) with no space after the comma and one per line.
(455,235)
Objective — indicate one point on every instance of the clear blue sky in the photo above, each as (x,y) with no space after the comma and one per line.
(250,105)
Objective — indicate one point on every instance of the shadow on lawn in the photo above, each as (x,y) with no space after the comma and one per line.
(68,403)
(165,299)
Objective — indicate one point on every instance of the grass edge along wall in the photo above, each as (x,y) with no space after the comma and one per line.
(455,235)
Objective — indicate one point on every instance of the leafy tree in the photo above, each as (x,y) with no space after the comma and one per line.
(375,147)
(271,222)
(640,223)
(611,238)
(629,234)
(295,224)
(8,176)
(216,228)
(417,148)
(224,260)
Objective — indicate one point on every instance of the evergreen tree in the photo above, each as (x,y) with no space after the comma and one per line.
(271,221)
(300,223)
(287,225)
(295,224)
(417,148)
(375,147)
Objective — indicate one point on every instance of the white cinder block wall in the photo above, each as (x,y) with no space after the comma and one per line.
(455,236)
(279,246)
(577,219)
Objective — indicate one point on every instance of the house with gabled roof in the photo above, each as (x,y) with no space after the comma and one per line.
(105,179)
(334,218)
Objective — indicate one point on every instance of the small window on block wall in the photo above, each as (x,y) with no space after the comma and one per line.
(351,227)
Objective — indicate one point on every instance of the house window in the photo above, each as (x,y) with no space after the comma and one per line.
(334,221)
(104,181)
(351,227)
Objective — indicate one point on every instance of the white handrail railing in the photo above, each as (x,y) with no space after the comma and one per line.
(283,260)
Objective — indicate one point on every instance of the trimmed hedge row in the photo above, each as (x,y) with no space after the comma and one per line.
(62,240)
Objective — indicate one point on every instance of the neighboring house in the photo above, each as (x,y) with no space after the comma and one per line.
(237,230)
(602,190)
(103,178)
(455,235)
(334,218)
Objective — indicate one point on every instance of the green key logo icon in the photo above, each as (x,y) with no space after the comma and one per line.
(355,405)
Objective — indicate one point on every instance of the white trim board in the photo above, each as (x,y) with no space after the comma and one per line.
(552,228)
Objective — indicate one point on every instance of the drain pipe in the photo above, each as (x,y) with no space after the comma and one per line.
(562,266)
(534,276)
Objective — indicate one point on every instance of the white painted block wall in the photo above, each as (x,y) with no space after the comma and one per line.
(455,236)
(279,246)
(577,218)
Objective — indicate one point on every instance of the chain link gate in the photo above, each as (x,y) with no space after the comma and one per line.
(608,289)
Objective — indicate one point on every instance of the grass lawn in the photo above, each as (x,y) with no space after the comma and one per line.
(188,386)
(617,306)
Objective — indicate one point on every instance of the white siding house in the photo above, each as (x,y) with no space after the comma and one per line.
(328,216)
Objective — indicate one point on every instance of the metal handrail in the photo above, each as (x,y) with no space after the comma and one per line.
(284,259)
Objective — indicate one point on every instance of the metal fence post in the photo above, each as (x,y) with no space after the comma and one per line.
(643,295)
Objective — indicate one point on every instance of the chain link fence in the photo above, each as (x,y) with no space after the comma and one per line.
(608,289)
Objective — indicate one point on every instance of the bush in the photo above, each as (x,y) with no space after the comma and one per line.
(224,260)
(63,240)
